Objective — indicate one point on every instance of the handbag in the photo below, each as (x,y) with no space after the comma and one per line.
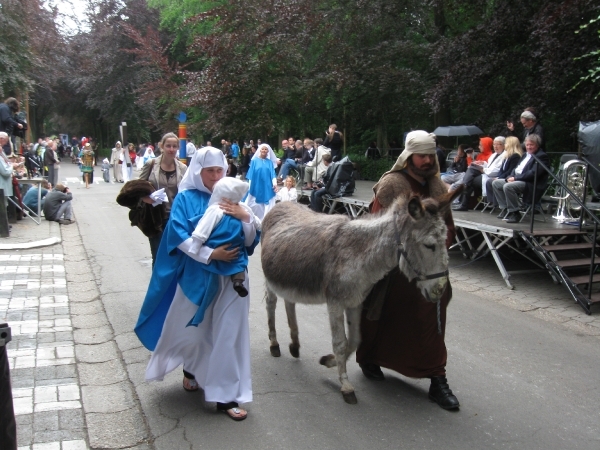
(128,164)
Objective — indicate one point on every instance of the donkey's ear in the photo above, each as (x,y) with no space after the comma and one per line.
(446,199)
(415,208)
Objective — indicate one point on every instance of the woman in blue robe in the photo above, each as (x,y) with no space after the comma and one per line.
(191,315)
(263,181)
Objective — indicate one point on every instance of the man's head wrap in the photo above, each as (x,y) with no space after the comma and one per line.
(420,142)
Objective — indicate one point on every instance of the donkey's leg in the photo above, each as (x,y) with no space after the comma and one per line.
(271,300)
(340,346)
(353,321)
(290,309)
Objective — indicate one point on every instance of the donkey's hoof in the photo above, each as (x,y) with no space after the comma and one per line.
(350,397)
(295,350)
(328,361)
(275,351)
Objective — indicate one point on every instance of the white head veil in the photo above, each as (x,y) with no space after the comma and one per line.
(271,156)
(204,157)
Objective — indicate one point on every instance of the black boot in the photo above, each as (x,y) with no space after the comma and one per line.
(372,371)
(238,286)
(440,392)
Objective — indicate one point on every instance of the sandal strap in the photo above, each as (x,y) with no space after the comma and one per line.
(226,406)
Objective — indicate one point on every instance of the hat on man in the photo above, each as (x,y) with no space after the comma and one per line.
(420,142)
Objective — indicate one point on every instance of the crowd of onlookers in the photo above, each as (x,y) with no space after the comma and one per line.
(503,170)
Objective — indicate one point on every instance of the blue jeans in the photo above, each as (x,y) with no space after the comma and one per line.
(285,168)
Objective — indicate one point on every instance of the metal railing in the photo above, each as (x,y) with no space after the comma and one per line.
(584,209)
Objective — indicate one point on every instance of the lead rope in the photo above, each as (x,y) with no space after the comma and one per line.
(439,317)
(401,252)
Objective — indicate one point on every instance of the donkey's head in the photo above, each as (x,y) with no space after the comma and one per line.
(422,252)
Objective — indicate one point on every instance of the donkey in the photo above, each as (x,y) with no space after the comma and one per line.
(346,259)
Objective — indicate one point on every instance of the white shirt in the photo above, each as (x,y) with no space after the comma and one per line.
(190,149)
(522,165)
(493,165)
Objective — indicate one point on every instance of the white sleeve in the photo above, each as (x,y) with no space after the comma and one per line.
(274,181)
(207,224)
(293,195)
(203,255)
(249,231)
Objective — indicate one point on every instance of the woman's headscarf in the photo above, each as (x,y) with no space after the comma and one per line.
(487,143)
(204,157)
(149,152)
(271,156)
(119,144)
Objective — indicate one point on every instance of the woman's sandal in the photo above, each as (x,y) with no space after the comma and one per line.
(232,410)
(190,385)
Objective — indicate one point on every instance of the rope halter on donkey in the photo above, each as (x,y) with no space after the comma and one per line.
(419,276)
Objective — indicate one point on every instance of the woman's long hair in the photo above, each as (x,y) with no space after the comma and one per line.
(512,145)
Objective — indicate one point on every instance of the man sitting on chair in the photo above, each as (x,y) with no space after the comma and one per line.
(520,181)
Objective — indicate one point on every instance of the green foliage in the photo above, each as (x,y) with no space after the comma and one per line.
(593,74)
(370,169)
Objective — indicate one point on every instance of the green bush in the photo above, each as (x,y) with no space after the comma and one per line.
(103,153)
(370,169)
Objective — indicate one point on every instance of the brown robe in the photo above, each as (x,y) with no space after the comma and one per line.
(405,337)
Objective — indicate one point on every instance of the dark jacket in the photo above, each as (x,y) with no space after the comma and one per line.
(7,121)
(147,218)
(508,166)
(458,166)
(50,157)
(288,153)
(528,175)
(335,144)
(307,155)
(536,129)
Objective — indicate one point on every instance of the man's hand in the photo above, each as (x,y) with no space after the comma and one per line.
(510,180)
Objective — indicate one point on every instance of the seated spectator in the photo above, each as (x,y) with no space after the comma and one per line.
(457,168)
(316,197)
(315,169)
(510,158)
(288,192)
(520,181)
(479,171)
(291,162)
(31,197)
(57,206)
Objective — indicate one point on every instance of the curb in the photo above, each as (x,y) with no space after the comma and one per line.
(28,245)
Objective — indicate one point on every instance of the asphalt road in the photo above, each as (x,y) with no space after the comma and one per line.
(522,382)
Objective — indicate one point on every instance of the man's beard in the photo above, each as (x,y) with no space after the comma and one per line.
(425,173)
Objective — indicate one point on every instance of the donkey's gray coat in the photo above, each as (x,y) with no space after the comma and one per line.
(316,258)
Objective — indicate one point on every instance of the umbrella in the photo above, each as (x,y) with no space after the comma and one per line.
(457,130)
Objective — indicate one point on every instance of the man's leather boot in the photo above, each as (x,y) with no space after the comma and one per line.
(440,392)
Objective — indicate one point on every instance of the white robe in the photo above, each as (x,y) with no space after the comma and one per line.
(217,352)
